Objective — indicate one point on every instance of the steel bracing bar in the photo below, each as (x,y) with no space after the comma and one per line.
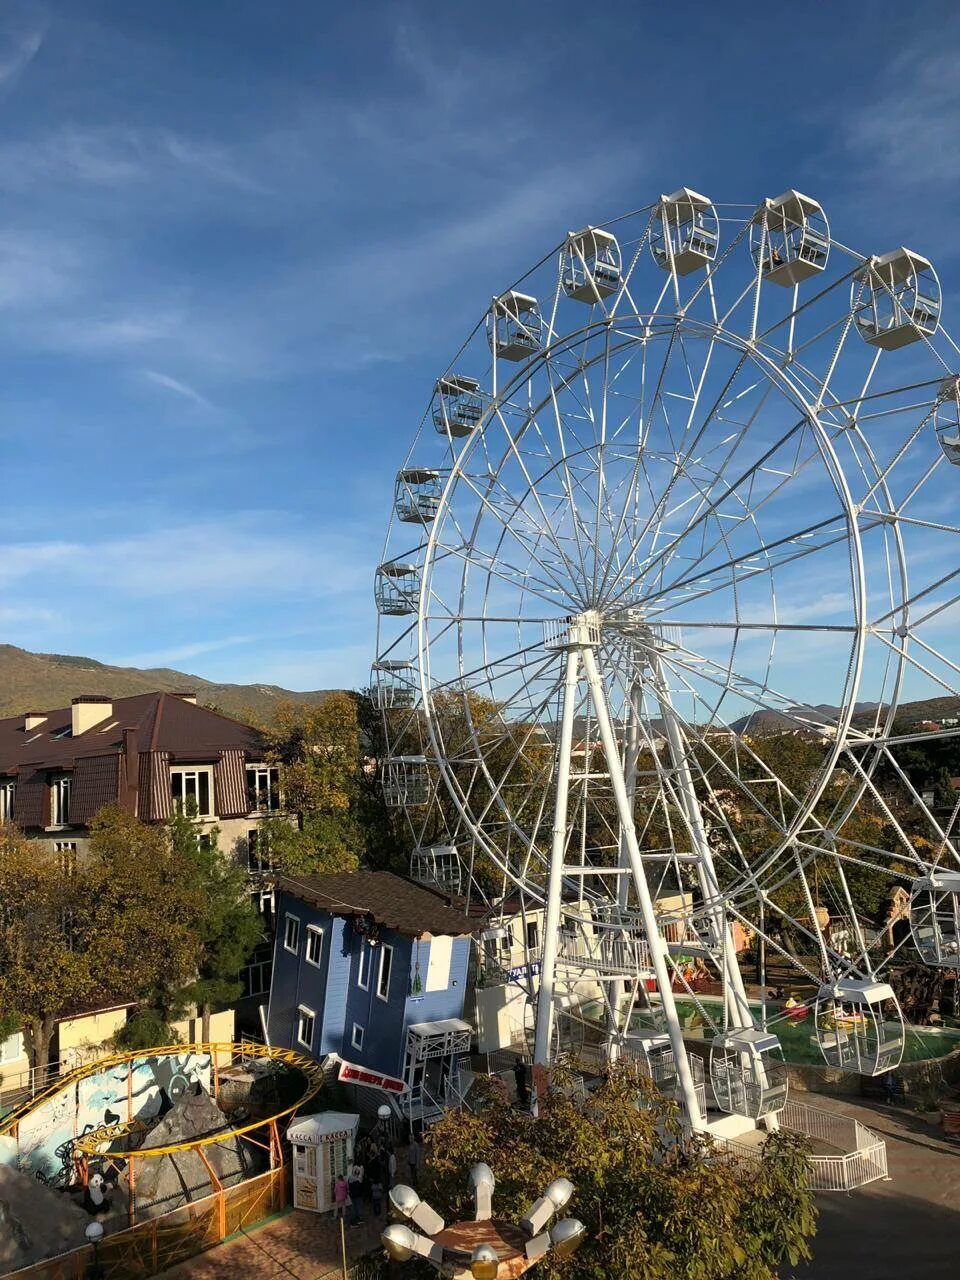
(658,947)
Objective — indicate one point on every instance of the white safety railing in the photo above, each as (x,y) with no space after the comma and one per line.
(861,1156)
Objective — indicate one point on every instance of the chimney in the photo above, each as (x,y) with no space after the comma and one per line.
(88,710)
(185,697)
(33,720)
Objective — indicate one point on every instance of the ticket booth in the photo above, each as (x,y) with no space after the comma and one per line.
(322,1150)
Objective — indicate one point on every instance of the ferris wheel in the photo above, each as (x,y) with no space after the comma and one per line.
(673,554)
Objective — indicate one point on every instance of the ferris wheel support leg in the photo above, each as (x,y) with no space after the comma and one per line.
(551,926)
(658,948)
(631,757)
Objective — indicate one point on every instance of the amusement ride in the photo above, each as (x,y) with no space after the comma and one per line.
(682,511)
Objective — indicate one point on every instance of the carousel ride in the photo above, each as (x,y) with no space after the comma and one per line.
(672,561)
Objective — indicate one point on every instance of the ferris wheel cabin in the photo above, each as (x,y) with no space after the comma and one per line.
(747,1073)
(417,495)
(397,588)
(653,1054)
(897,300)
(859,1026)
(790,239)
(685,232)
(946,420)
(515,326)
(438,866)
(591,265)
(405,781)
(457,407)
(392,685)
(935,919)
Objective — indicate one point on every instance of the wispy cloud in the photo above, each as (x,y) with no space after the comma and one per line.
(178,388)
(17,51)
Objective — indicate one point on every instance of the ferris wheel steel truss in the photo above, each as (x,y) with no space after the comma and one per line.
(633,535)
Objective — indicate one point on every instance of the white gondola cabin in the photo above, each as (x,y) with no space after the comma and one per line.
(790,239)
(896,299)
(515,326)
(457,405)
(747,1073)
(405,781)
(935,918)
(653,1054)
(946,420)
(417,495)
(437,865)
(685,232)
(859,1026)
(397,588)
(590,267)
(393,684)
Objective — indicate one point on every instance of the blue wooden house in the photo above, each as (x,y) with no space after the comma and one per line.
(369,977)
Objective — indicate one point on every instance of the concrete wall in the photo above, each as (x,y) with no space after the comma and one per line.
(83,1038)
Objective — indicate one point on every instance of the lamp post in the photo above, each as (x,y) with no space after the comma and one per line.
(94,1234)
(485,1248)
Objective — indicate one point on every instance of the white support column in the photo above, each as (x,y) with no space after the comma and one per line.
(658,948)
(551,923)
(738,1006)
(631,756)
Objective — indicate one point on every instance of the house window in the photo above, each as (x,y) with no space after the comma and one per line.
(255,976)
(60,802)
(356,1036)
(11,1049)
(262,900)
(263,788)
(258,855)
(314,944)
(383,977)
(305,1021)
(291,933)
(192,790)
(363,972)
(66,852)
(506,942)
(533,935)
(7,793)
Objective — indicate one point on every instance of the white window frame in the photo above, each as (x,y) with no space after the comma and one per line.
(64,849)
(354,1043)
(288,916)
(60,789)
(314,931)
(533,925)
(194,771)
(8,796)
(305,1012)
(381,994)
(365,965)
(11,1048)
(268,774)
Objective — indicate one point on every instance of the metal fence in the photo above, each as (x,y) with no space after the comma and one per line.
(154,1246)
(860,1156)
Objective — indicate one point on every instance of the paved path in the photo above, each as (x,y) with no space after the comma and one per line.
(300,1244)
(904,1229)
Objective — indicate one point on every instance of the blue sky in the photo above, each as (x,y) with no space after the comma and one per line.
(238,241)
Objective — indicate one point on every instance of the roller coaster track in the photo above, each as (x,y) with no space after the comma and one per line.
(98,1141)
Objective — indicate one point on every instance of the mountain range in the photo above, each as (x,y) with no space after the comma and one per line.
(44,681)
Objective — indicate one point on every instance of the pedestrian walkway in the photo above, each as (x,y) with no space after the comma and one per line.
(904,1229)
(298,1244)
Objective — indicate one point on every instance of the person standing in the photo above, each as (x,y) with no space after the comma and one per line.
(523,1086)
(391,1167)
(341,1196)
(414,1159)
(355,1183)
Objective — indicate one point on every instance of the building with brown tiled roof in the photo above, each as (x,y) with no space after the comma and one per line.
(147,753)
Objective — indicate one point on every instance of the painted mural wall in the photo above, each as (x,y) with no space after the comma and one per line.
(142,1089)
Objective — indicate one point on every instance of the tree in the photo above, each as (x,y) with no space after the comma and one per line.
(41,971)
(654,1205)
(317,749)
(224,922)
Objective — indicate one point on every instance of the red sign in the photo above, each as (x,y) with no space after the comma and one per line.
(353,1074)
